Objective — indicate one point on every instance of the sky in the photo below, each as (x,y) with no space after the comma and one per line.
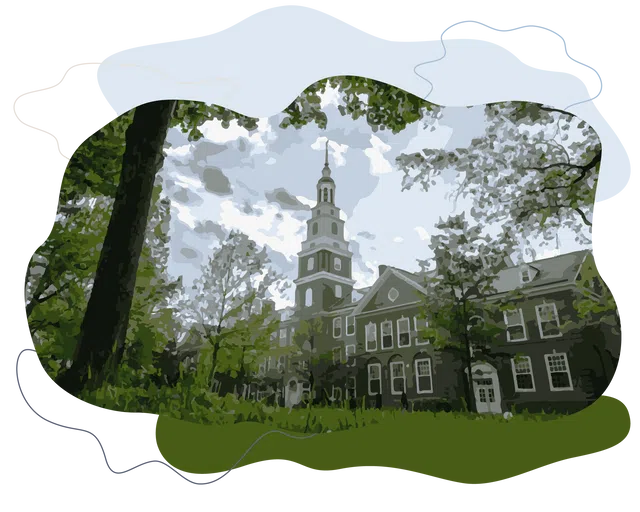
(264,184)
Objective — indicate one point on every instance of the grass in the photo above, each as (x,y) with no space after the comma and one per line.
(443,445)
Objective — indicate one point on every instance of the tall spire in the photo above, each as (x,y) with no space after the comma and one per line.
(326,171)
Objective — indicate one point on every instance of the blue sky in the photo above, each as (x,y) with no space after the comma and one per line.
(263,183)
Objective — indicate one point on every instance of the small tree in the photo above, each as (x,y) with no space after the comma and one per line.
(466,266)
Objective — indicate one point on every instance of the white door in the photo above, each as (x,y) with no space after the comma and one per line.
(487,395)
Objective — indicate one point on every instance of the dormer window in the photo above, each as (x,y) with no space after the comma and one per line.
(393,294)
(525,275)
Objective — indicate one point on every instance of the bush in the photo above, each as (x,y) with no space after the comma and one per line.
(432,405)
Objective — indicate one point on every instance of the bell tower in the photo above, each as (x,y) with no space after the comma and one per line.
(324,263)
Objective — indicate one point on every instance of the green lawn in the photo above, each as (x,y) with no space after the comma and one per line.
(421,442)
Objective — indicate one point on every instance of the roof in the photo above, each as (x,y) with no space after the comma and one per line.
(563,268)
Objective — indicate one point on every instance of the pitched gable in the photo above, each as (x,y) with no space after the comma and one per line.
(407,290)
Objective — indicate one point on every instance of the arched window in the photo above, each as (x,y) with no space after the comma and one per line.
(331,195)
(334,228)
(326,195)
(308,297)
(314,228)
(310,263)
(338,291)
(337,263)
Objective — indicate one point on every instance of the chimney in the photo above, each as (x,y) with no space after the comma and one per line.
(381,269)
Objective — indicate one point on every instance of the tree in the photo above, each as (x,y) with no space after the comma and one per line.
(466,266)
(235,277)
(535,167)
(105,322)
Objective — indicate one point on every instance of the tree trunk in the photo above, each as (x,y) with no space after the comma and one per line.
(106,319)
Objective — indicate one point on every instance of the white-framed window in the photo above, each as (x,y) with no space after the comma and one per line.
(525,275)
(350,388)
(558,371)
(350,327)
(281,364)
(336,355)
(424,379)
(386,333)
(350,354)
(262,367)
(310,263)
(371,337)
(374,377)
(336,393)
(523,374)
(398,379)
(337,263)
(548,321)
(283,337)
(337,327)
(308,297)
(393,294)
(418,324)
(516,329)
(338,291)
(404,336)
(293,333)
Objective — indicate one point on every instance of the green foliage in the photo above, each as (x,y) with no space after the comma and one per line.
(535,168)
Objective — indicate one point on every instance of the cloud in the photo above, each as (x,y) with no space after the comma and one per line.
(367,235)
(398,239)
(209,227)
(286,201)
(185,196)
(216,182)
(189,253)
(422,233)
(378,163)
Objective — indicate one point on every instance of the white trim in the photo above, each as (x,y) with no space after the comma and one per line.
(392,378)
(346,327)
(353,353)
(408,331)
(388,308)
(415,365)
(568,370)
(339,323)
(326,275)
(333,355)
(522,324)
(333,392)
(308,297)
(395,292)
(337,291)
(555,314)
(515,374)
(310,263)
(339,263)
(415,325)
(379,282)
(390,323)
(521,271)
(369,379)
(375,337)
(280,366)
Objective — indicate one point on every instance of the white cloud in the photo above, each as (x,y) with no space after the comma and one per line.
(378,164)
(178,152)
(422,233)
(184,214)
(398,239)
(281,235)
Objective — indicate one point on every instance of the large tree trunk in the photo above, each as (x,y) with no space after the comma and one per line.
(106,319)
